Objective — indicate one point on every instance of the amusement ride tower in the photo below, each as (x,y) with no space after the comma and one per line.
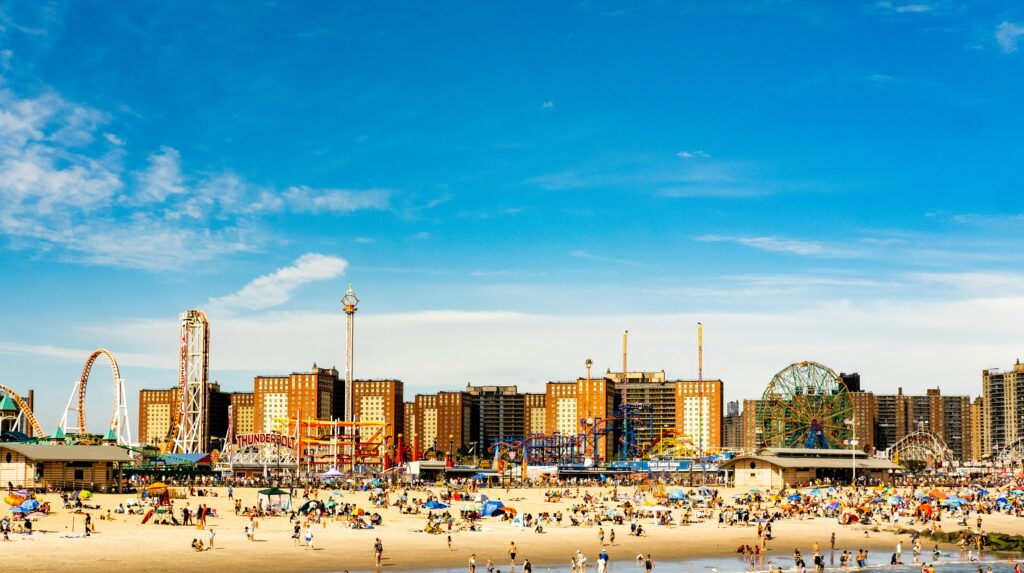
(349,300)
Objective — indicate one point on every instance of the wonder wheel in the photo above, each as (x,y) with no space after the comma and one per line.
(806,405)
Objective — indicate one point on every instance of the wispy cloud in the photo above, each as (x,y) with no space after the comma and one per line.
(693,154)
(548,105)
(582,254)
(276,288)
(62,191)
(664,175)
(899,8)
(1008,36)
(162,178)
(768,243)
(304,199)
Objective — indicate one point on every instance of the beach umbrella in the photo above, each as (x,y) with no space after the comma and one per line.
(18,509)
(376,482)
(478,476)
(677,494)
(157,488)
(831,490)
(937,493)
(814,491)
(30,504)
(895,500)
(794,497)
(754,490)
(378,490)
(925,508)
(435,505)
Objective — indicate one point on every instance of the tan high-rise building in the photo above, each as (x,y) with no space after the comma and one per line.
(865,417)
(751,437)
(560,401)
(534,414)
(158,410)
(442,418)
(977,450)
(306,394)
(698,412)
(596,400)
(732,426)
(1002,402)
(243,410)
(379,401)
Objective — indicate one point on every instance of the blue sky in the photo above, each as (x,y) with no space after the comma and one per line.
(511,185)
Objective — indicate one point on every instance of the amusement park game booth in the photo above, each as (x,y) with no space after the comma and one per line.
(772,468)
(61,466)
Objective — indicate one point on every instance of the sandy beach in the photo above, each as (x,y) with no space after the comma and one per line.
(123,543)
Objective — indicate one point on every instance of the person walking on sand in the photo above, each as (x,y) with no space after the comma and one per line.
(512,554)
(611,537)
(378,551)
(212,535)
(309,536)
(600,536)
(472,563)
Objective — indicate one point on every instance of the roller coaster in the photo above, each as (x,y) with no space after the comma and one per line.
(119,429)
(583,448)
(24,419)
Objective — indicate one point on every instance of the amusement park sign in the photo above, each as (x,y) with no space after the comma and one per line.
(243,440)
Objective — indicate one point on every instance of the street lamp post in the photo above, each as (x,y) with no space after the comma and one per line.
(451,447)
(853,449)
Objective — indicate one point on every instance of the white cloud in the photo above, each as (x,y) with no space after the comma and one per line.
(1008,36)
(162,178)
(302,199)
(773,244)
(79,204)
(276,288)
(693,154)
(581,254)
(548,105)
(919,8)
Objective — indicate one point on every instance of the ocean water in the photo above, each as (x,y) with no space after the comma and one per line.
(948,563)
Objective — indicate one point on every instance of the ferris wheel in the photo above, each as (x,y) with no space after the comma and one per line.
(806,405)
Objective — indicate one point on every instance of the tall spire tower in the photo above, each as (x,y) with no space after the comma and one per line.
(349,300)
(700,388)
